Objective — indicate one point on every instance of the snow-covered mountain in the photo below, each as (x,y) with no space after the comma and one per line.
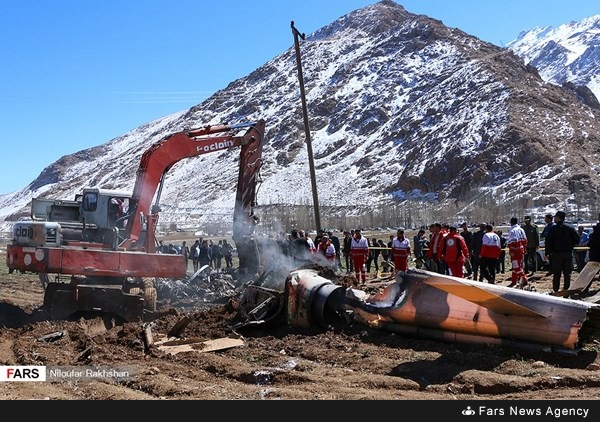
(405,114)
(569,53)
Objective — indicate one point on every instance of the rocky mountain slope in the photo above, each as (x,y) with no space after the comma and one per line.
(402,110)
(569,53)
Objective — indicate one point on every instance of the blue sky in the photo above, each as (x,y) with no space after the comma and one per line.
(77,73)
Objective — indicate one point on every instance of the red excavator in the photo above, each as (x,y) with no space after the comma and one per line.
(104,240)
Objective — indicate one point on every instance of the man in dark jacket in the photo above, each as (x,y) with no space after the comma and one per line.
(594,244)
(476,248)
(549,220)
(468,236)
(347,243)
(299,248)
(560,243)
(533,244)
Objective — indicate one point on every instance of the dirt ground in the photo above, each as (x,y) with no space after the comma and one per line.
(269,362)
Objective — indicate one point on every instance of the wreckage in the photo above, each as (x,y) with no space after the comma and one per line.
(430,305)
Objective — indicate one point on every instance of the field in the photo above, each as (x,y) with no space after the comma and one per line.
(269,362)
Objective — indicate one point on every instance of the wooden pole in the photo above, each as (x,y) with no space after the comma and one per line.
(311,163)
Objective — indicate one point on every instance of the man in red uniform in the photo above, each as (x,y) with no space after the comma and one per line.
(436,244)
(326,248)
(400,251)
(359,250)
(455,252)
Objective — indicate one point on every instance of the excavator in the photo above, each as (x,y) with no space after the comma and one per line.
(105,242)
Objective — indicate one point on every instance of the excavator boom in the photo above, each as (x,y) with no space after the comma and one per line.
(160,157)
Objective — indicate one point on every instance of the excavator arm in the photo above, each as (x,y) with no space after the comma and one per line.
(244,219)
(159,159)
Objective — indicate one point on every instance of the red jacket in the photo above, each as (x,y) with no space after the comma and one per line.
(490,246)
(455,248)
(359,247)
(439,239)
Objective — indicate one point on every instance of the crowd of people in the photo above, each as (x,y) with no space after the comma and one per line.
(217,255)
(478,255)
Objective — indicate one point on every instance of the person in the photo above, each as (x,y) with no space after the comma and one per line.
(533,244)
(434,253)
(559,244)
(195,255)
(185,251)
(216,254)
(581,251)
(549,220)
(299,248)
(373,258)
(592,266)
(118,208)
(311,244)
(490,252)
(389,246)
(359,249)
(204,255)
(501,265)
(517,243)
(455,252)
(162,248)
(400,251)
(317,238)
(228,253)
(420,243)
(347,242)
(476,251)
(385,254)
(468,236)
(335,241)
(326,248)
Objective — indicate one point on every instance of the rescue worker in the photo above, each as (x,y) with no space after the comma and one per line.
(517,244)
(400,251)
(454,252)
(327,249)
(434,253)
(359,250)
(490,252)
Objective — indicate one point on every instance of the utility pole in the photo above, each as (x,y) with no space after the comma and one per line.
(311,163)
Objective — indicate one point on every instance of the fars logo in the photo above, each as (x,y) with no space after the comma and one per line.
(22,373)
